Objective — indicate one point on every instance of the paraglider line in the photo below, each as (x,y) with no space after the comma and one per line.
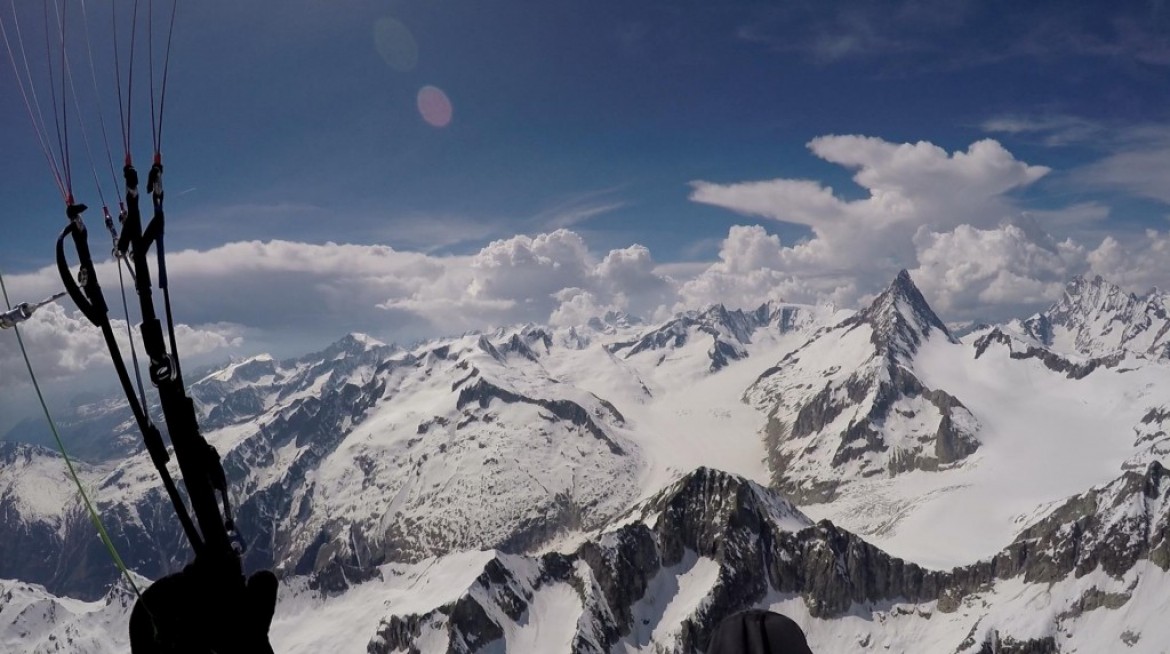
(93,514)
(38,128)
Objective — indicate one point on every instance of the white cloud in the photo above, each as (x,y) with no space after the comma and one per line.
(1081,214)
(1137,264)
(576,307)
(750,271)
(858,245)
(969,269)
(61,343)
(1053,130)
(951,218)
(1139,163)
(1136,157)
(528,270)
(632,282)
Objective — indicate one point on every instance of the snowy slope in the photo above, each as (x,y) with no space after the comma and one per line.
(474,493)
(1095,318)
(709,545)
(34,621)
(847,405)
(712,544)
(1039,445)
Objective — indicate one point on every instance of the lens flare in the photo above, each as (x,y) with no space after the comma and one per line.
(395,44)
(434,106)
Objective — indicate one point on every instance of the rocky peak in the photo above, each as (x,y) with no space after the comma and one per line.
(738,324)
(709,501)
(901,318)
(517,345)
(251,370)
(1094,317)
(354,344)
(612,320)
(848,404)
(1083,296)
(1111,527)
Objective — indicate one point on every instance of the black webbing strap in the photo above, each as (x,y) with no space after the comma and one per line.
(91,302)
(199,462)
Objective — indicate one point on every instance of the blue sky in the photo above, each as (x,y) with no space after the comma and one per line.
(285,121)
(623,123)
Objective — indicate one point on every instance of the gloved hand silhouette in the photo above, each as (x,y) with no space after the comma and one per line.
(205,608)
(758,632)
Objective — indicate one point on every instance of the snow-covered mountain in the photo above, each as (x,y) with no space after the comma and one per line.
(847,404)
(1095,318)
(726,333)
(662,575)
(618,487)
(35,621)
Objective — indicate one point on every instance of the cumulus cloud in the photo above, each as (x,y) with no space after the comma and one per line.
(529,278)
(751,270)
(62,343)
(317,292)
(1137,263)
(857,245)
(576,307)
(1006,268)
(952,218)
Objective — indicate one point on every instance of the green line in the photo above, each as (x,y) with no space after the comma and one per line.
(93,515)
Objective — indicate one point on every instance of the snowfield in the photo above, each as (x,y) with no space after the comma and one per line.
(479,484)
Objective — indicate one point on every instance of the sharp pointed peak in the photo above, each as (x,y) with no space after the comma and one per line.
(902,288)
(904,283)
(1082,289)
(1080,283)
(901,313)
(363,339)
(717,309)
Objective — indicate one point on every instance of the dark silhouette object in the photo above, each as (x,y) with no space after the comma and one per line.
(758,632)
(189,613)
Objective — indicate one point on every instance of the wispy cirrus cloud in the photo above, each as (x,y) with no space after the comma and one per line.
(1138,163)
(1135,158)
(1052,130)
(963,33)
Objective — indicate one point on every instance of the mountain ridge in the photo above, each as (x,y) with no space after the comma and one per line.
(596,479)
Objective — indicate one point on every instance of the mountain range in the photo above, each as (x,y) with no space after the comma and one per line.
(619,486)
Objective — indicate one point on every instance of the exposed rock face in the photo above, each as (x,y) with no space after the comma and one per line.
(729,331)
(359,462)
(1151,439)
(1013,646)
(754,545)
(1020,350)
(93,431)
(848,404)
(1111,528)
(104,430)
(482,392)
(712,544)
(1095,318)
(33,620)
(753,541)
(900,319)
(471,453)
(43,531)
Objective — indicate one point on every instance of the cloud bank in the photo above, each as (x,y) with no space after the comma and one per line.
(954,219)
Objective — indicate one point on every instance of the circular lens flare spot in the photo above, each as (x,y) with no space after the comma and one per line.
(395,44)
(434,106)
